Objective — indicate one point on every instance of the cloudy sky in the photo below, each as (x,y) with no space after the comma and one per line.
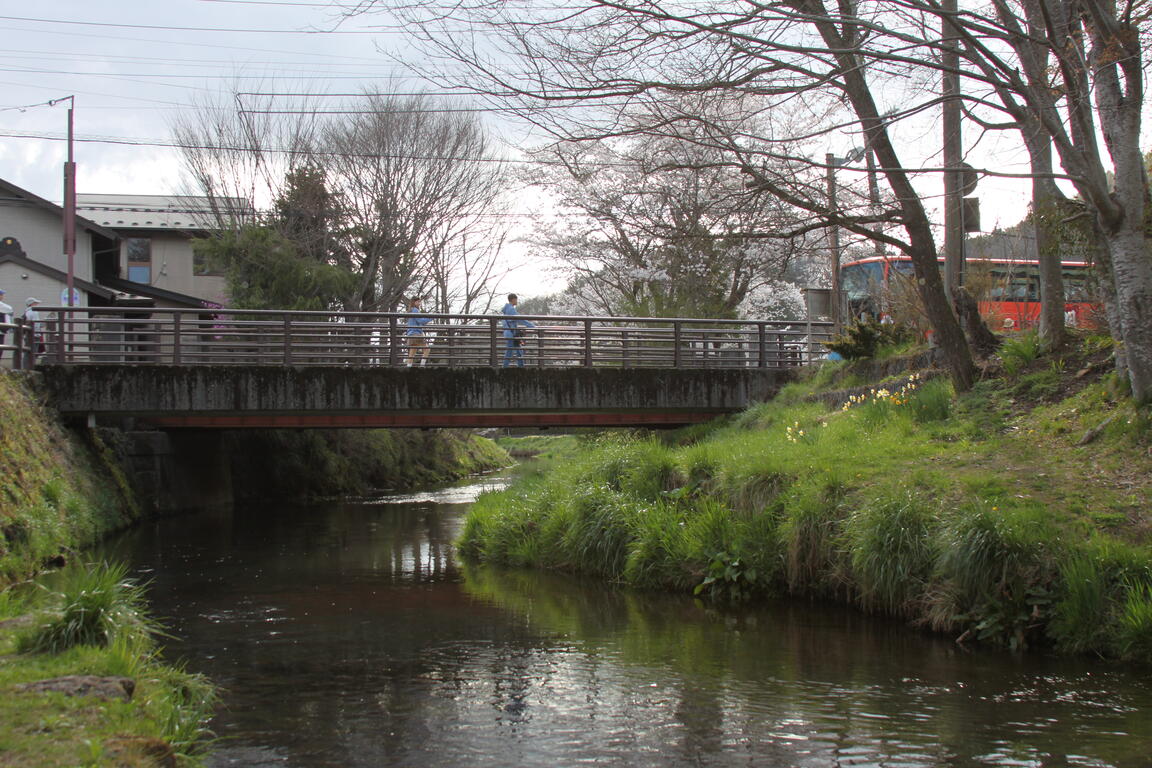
(132,65)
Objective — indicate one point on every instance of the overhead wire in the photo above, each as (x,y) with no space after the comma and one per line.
(399,29)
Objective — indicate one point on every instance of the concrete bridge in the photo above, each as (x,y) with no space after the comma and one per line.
(227,369)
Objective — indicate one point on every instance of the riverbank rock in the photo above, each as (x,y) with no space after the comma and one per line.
(85,685)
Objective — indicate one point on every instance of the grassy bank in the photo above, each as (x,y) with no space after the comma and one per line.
(59,493)
(1015,514)
(110,700)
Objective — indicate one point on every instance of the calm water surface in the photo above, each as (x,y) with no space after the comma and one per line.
(349,634)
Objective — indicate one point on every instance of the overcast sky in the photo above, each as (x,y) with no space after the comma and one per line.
(132,64)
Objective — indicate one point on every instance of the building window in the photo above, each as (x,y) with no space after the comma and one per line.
(139,259)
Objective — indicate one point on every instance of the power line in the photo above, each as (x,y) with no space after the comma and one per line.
(274,2)
(240,30)
(295,53)
(198,76)
(55,55)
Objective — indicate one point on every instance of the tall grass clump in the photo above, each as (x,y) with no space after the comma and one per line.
(1019,352)
(1134,635)
(892,552)
(992,562)
(809,534)
(1080,610)
(932,401)
(91,605)
(651,470)
(598,532)
(660,554)
(186,703)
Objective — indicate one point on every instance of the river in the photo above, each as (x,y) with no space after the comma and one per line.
(349,634)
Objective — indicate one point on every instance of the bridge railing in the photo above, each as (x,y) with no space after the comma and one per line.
(160,336)
(18,345)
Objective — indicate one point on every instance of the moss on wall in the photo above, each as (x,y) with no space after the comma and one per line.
(59,491)
(302,464)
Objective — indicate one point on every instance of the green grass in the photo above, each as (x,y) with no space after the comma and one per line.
(92,622)
(966,514)
(89,605)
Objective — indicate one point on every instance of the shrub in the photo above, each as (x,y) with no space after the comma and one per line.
(1018,352)
(861,340)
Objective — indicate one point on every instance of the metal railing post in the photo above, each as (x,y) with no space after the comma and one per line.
(587,343)
(762,333)
(176,333)
(18,341)
(676,344)
(625,349)
(807,340)
(58,338)
(287,340)
(492,341)
(393,342)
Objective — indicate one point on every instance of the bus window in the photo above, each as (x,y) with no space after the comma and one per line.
(862,283)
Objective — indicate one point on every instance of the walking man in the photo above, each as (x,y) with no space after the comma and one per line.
(417,341)
(514,333)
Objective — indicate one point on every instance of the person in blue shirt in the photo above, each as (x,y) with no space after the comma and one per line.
(513,335)
(416,338)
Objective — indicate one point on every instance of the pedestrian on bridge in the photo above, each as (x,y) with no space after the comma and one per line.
(31,321)
(514,333)
(416,337)
(5,317)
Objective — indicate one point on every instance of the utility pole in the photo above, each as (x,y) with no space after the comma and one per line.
(873,195)
(953,147)
(69,205)
(833,242)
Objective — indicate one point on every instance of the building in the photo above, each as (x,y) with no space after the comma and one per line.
(32,259)
(133,254)
(154,257)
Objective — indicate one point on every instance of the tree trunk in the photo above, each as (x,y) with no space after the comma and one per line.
(921,245)
(1046,214)
(1119,90)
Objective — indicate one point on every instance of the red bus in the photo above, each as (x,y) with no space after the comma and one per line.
(1007,290)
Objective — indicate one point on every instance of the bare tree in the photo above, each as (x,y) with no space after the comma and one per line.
(414,180)
(412,188)
(609,57)
(1066,68)
(1078,73)
(660,227)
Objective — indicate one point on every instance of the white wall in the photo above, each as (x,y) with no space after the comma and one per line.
(41,235)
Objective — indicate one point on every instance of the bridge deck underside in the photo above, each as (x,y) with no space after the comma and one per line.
(261,397)
(432,419)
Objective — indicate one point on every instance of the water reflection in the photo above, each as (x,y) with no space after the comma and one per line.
(347,634)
